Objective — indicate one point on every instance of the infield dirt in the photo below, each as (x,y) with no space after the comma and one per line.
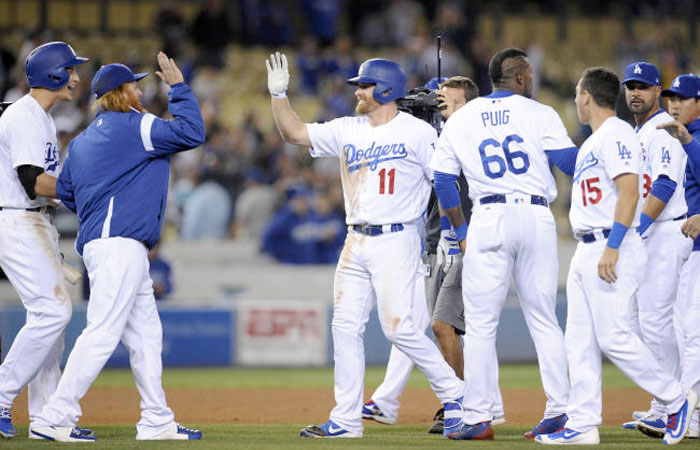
(254,406)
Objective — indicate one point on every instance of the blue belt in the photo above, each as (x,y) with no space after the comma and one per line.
(591,237)
(681,217)
(376,230)
(501,198)
(37,209)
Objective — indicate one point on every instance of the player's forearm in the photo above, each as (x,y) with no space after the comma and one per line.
(456,216)
(45,186)
(653,206)
(290,126)
(627,198)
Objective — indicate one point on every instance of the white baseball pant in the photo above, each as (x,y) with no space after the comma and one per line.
(505,240)
(381,269)
(688,304)
(599,321)
(400,366)
(667,249)
(30,258)
(121,307)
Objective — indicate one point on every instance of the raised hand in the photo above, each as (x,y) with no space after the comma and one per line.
(277,75)
(169,72)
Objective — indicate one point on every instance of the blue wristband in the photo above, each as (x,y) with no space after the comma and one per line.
(445,223)
(617,234)
(461,231)
(644,221)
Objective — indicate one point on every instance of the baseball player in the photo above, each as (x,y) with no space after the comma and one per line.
(606,271)
(442,262)
(663,211)
(500,142)
(684,106)
(116,178)
(29,253)
(384,155)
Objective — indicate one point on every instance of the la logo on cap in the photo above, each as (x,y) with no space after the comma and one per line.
(677,83)
(637,69)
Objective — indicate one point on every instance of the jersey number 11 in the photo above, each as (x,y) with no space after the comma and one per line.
(383,175)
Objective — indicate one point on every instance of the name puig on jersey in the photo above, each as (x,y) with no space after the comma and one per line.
(495,118)
(357,158)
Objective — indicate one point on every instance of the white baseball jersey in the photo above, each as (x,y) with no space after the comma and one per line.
(384,169)
(663,154)
(27,137)
(612,150)
(498,141)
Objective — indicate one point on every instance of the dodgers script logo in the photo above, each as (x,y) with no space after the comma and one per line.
(357,158)
(586,163)
(51,157)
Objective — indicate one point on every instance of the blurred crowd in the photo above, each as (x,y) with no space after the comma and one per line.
(245,183)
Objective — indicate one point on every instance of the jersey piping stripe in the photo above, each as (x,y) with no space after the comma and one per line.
(108,220)
(146,125)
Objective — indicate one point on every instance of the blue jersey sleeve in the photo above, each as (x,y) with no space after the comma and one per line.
(185,132)
(64,187)
(564,158)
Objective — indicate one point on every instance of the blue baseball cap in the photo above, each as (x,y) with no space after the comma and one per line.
(111,77)
(434,83)
(687,86)
(643,72)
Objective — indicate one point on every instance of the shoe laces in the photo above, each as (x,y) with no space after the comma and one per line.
(672,423)
(5,413)
(186,430)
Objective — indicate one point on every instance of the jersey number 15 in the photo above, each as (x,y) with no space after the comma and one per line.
(591,192)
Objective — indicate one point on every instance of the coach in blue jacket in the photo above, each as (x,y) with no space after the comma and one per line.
(116,180)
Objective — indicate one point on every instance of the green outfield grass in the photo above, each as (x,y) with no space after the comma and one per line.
(399,437)
(512,376)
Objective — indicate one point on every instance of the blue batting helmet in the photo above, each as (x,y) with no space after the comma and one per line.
(46,65)
(388,76)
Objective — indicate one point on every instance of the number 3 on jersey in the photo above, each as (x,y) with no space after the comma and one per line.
(509,163)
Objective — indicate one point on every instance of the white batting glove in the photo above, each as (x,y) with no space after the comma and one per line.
(449,253)
(277,75)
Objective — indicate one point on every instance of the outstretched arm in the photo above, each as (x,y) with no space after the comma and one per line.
(291,128)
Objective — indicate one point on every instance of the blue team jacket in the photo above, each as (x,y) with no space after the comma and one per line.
(116,174)
(692,181)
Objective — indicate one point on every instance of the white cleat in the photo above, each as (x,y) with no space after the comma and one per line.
(175,433)
(59,434)
(566,436)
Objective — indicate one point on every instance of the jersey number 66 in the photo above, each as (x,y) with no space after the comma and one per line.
(501,164)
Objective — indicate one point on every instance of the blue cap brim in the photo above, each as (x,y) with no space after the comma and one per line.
(358,80)
(640,79)
(139,76)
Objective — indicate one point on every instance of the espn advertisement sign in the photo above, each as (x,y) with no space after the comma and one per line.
(282,333)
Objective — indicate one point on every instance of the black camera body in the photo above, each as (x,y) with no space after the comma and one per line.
(422,103)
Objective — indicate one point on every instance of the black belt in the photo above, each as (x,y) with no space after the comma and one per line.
(376,230)
(37,209)
(501,198)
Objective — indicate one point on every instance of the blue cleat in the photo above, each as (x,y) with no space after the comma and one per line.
(371,411)
(478,432)
(678,423)
(547,426)
(59,434)
(453,415)
(329,429)
(7,430)
(653,425)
